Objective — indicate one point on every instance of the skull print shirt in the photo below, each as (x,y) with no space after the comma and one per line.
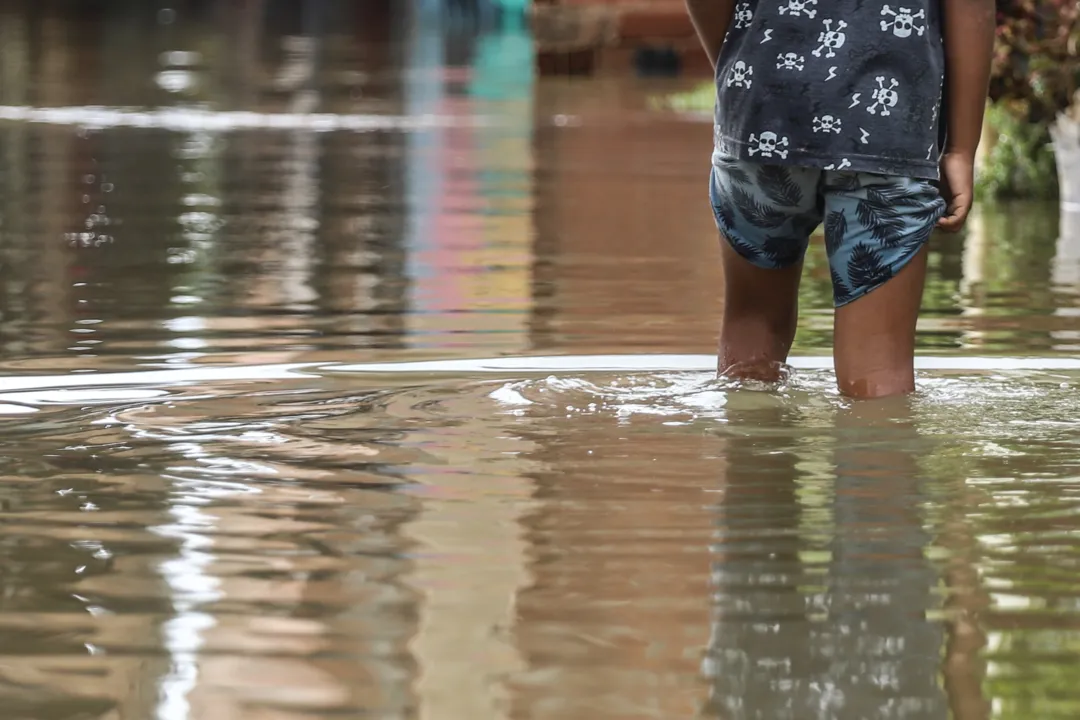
(834,84)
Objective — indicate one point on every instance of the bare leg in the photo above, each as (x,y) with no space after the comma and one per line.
(759,317)
(874,345)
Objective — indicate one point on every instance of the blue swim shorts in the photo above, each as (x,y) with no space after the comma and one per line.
(874,224)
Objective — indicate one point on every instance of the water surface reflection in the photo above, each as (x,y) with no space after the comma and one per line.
(222,224)
(825,596)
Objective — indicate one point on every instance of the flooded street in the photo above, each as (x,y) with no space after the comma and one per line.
(349,370)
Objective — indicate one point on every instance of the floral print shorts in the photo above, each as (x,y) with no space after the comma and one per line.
(874,224)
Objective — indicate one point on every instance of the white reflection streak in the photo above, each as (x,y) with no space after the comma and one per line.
(301,197)
(974,275)
(189,119)
(300,220)
(1066,277)
(190,587)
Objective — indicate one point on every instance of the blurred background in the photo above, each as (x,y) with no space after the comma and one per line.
(437,176)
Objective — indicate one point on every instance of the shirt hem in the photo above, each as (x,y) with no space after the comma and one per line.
(918,169)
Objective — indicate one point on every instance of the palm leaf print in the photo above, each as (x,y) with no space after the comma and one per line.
(835,230)
(896,195)
(920,208)
(745,249)
(726,221)
(865,268)
(725,217)
(926,204)
(841,292)
(916,239)
(845,181)
(782,251)
(888,194)
(737,174)
(881,218)
(928,213)
(757,214)
(777,183)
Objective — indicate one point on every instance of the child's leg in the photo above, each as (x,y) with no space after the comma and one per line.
(876,230)
(759,317)
(874,345)
(765,214)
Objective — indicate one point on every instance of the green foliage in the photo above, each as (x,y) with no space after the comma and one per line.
(1020,163)
(1036,74)
(1035,58)
(698,100)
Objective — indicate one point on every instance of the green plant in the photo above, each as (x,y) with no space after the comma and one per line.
(698,100)
(1036,65)
(1036,74)
(1020,161)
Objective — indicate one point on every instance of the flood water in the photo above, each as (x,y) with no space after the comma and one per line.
(348,370)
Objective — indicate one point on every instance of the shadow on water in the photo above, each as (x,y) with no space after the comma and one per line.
(350,369)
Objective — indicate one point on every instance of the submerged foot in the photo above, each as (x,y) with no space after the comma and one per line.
(764,371)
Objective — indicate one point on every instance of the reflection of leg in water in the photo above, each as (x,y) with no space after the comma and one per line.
(879,646)
(819,616)
(759,631)
(964,669)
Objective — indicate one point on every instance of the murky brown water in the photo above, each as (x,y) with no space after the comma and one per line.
(230,486)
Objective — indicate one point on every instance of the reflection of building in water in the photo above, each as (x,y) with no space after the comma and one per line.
(254,572)
(288,597)
(80,606)
(469,196)
(622,203)
(313,220)
(189,227)
(55,623)
(37,176)
(361,254)
(469,563)
(15,39)
(78,234)
(148,233)
(65,251)
(616,618)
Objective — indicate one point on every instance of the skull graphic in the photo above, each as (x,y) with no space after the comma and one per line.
(768,144)
(831,39)
(885,96)
(740,75)
(743,15)
(827,124)
(790,61)
(800,7)
(903,21)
